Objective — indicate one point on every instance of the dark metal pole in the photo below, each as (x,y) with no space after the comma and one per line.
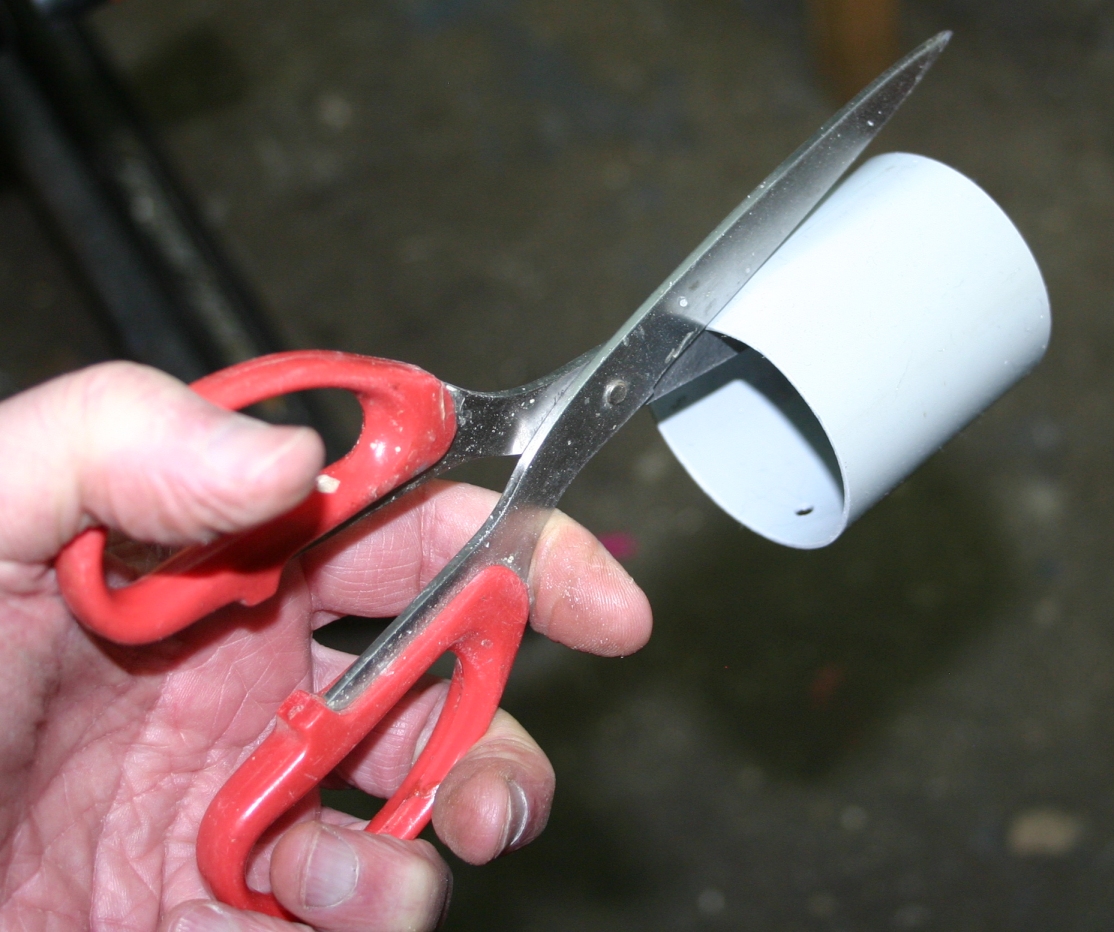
(165,288)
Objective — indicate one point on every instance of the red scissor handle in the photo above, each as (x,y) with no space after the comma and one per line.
(409,423)
(482,625)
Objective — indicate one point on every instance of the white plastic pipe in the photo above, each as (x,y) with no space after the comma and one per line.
(903,307)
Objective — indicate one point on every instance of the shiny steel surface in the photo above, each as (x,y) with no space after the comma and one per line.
(585,403)
(503,423)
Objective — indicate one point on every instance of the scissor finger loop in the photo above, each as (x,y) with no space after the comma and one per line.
(482,626)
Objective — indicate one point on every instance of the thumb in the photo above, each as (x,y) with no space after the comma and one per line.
(132,448)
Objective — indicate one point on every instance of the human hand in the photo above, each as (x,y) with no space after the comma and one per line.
(109,755)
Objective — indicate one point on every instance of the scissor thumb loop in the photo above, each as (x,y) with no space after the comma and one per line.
(409,423)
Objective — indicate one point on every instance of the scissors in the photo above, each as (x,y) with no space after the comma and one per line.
(415,427)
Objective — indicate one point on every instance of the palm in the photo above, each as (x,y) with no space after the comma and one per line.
(108,783)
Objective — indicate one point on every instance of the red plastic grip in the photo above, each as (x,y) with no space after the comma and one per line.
(409,423)
(482,625)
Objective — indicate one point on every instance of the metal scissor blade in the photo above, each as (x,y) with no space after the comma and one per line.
(800,179)
(505,423)
(622,376)
(715,271)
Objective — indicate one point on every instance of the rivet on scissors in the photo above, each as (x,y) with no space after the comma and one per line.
(615,392)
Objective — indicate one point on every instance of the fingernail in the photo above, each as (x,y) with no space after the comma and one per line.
(207,917)
(518,812)
(331,871)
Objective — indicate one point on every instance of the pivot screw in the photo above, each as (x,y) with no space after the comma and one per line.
(615,393)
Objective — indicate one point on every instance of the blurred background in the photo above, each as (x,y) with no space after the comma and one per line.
(912,729)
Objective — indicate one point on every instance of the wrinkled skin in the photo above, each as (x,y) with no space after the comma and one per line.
(110,755)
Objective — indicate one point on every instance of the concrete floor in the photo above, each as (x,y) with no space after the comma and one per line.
(912,729)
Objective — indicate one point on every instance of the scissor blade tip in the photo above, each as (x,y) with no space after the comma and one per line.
(924,56)
(941,39)
(934,46)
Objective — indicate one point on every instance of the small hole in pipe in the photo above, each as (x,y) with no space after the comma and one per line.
(804,510)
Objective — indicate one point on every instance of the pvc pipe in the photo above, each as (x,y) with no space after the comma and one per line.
(898,311)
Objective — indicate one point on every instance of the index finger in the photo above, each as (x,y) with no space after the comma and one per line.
(581,596)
